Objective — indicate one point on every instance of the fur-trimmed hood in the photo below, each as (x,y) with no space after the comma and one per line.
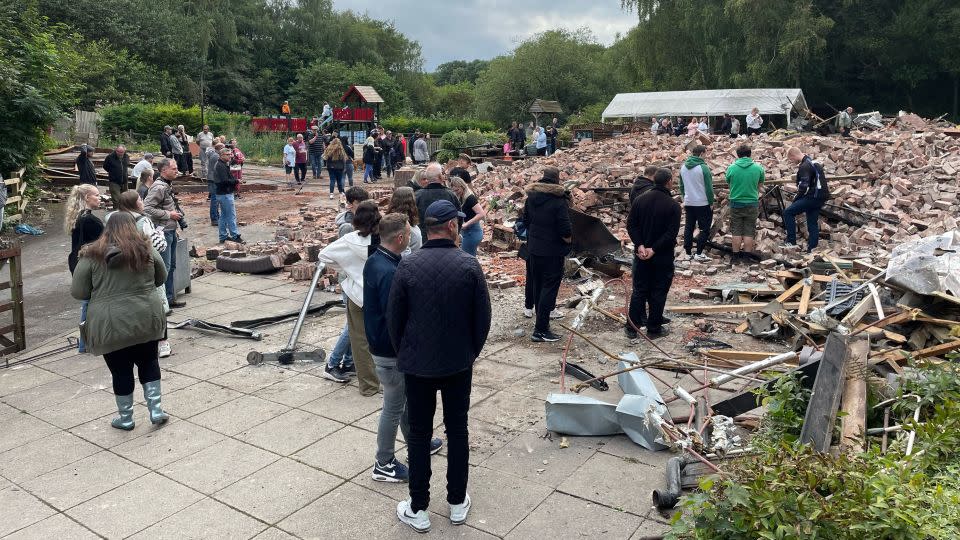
(555,190)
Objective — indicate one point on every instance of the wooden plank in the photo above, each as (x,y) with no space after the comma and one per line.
(16,277)
(788,274)
(790,292)
(824,403)
(936,350)
(853,424)
(804,301)
(858,312)
(947,297)
(734,308)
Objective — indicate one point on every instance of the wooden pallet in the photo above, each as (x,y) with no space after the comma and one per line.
(12,336)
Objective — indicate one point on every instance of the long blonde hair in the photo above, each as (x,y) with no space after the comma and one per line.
(457,183)
(335,150)
(76,203)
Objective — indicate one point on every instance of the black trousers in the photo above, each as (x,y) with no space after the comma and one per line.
(121,362)
(753,131)
(651,283)
(700,217)
(377,166)
(529,302)
(544,275)
(421,406)
(300,172)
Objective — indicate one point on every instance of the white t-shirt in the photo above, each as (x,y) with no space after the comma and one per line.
(754,122)
(142,165)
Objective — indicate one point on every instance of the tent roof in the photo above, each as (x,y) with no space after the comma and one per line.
(363,94)
(544,106)
(736,101)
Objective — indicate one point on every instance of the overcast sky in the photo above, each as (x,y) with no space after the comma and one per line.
(470,29)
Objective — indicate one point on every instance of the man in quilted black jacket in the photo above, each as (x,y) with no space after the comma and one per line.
(438,317)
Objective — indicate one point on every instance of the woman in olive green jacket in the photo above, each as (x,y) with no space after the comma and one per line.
(119,274)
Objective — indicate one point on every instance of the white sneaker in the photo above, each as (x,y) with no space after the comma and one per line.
(331,195)
(420,521)
(557,314)
(701,257)
(528,313)
(164,349)
(458,512)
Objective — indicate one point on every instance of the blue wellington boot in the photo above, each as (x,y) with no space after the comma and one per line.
(151,393)
(125,408)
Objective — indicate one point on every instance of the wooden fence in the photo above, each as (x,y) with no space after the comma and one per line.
(16,202)
(13,337)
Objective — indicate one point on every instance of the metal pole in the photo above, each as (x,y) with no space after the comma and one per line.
(292,342)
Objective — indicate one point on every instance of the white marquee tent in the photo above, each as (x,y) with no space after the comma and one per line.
(737,101)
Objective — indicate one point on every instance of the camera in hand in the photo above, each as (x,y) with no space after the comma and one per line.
(183,217)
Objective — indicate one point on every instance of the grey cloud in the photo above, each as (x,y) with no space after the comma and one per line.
(470,29)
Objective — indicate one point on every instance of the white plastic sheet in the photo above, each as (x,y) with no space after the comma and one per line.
(927,265)
(735,101)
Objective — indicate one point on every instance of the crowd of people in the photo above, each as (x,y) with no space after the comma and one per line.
(543,139)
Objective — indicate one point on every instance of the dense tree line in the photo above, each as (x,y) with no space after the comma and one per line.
(250,55)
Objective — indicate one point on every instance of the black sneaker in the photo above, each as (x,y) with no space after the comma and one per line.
(544,337)
(654,333)
(630,333)
(394,471)
(177,304)
(334,374)
(666,320)
(239,239)
(350,371)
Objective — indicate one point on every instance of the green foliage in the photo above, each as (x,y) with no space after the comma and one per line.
(589,114)
(459,71)
(405,124)
(327,80)
(146,121)
(456,100)
(786,405)
(556,65)
(789,491)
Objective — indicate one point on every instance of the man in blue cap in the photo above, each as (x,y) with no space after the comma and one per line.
(438,317)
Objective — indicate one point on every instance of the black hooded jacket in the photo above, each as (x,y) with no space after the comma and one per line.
(654,222)
(546,215)
(641,186)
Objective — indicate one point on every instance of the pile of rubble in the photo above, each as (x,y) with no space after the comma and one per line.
(889,186)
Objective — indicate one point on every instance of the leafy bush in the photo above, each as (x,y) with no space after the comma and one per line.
(457,140)
(434,126)
(790,491)
(146,121)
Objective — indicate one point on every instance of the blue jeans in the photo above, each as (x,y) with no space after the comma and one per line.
(342,350)
(214,209)
(83,316)
(169,257)
(228,217)
(470,238)
(367,171)
(316,164)
(348,171)
(394,413)
(336,179)
(811,207)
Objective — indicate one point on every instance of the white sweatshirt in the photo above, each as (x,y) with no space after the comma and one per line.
(347,255)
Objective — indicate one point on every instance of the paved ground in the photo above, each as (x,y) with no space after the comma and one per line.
(278,452)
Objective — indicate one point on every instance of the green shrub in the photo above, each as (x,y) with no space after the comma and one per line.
(434,126)
(458,140)
(146,121)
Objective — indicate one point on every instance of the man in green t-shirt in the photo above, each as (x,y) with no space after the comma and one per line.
(744,177)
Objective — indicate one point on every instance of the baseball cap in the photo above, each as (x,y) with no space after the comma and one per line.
(441,212)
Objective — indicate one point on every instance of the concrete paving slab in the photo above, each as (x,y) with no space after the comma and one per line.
(84,479)
(358,512)
(185,350)
(622,446)
(23,377)
(101,433)
(511,411)
(79,410)
(297,390)
(73,364)
(486,439)
(440,527)
(340,452)
(56,526)
(274,534)
(21,428)
(44,455)
(539,460)
(399,491)
(497,375)
(563,516)
(278,490)
(516,353)
(500,501)
(238,415)
(344,405)
(134,506)
(21,509)
(45,395)
(203,520)
(197,398)
(212,365)
(176,440)
(250,379)
(218,466)
(615,482)
(289,432)
(650,528)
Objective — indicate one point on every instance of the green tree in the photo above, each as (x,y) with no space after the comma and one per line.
(327,80)
(557,65)
(459,71)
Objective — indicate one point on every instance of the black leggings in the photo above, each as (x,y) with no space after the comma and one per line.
(121,362)
(300,172)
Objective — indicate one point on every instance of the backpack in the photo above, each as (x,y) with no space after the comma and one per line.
(821,190)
